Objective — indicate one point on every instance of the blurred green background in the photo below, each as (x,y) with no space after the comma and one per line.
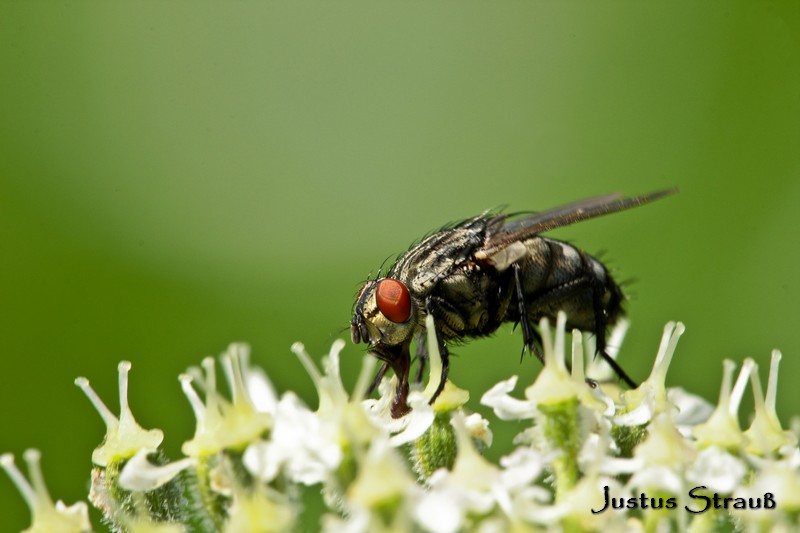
(177,176)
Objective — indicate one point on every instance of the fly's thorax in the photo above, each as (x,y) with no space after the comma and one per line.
(472,301)
(438,255)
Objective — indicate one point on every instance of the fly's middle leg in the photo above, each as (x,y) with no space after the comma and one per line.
(529,335)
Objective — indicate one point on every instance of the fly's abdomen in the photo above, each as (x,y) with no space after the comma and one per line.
(557,276)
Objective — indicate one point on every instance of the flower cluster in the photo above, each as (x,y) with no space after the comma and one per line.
(589,457)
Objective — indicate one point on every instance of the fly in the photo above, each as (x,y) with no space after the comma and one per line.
(479,273)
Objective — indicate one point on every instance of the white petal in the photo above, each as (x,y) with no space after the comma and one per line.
(417,421)
(521,467)
(478,428)
(506,407)
(692,409)
(261,390)
(717,469)
(640,415)
(139,474)
(260,460)
(75,515)
(439,512)
(657,477)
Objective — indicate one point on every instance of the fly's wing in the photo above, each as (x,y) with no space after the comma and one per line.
(503,244)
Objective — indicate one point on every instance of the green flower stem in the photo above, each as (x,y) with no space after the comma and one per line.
(653,518)
(212,504)
(436,448)
(561,431)
(628,437)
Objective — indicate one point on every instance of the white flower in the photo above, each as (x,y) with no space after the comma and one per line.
(779,478)
(691,409)
(650,398)
(223,424)
(774,492)
(300,443)
(124,437)
(440,512)
(722,427)
(306,445)
(478,428)
(380,496)
(717,469)
(47,517)
(554,384)
(599,453)
(664,456)
(261,510)
(330,389)
(259,388)
(595,398)
(576,507)
(410,426)
(521,468)
(765,435)
(357,521)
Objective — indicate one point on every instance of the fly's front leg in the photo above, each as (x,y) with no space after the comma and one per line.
(445,354)
(422,357)
(377,379)
(529,336)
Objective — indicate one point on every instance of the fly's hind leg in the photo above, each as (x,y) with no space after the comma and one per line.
(586,280)
(601,319)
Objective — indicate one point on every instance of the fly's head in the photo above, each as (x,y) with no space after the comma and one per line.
(385,317)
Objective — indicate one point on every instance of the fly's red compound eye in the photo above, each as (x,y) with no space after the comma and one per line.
(393,300)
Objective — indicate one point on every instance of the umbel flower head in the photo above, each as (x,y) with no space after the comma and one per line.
(586,457)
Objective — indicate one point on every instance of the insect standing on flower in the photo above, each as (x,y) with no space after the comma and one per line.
(479,273)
